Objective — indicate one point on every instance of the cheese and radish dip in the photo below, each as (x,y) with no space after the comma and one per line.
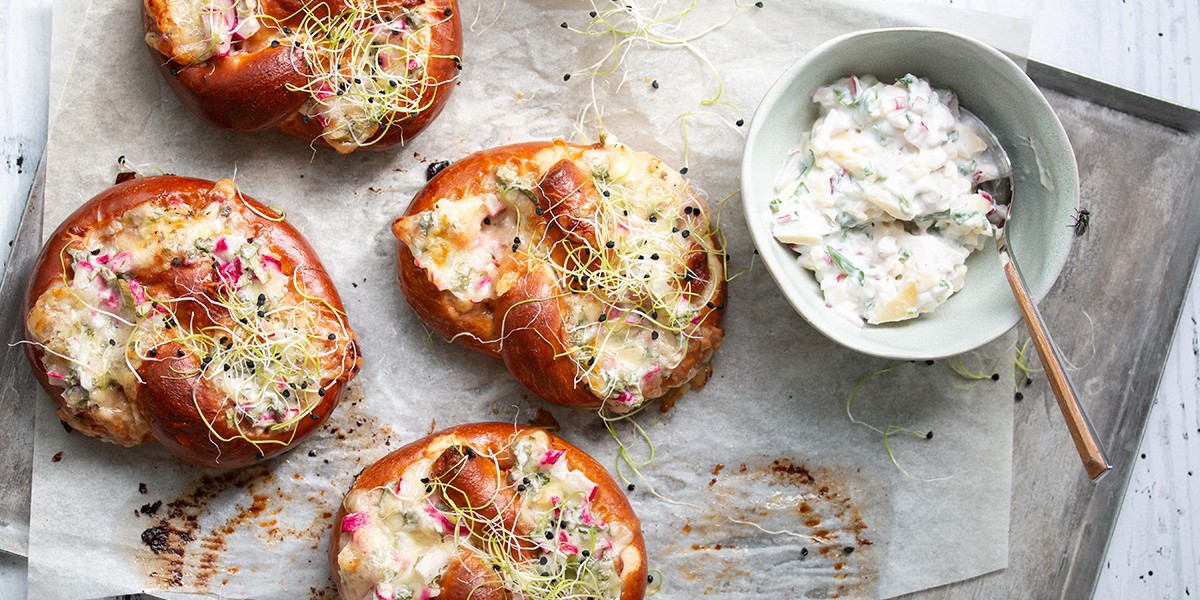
(879,199)
(255,336)
(639,269)
(398,540)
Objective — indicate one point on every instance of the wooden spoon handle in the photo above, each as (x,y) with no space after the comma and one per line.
(1089,446)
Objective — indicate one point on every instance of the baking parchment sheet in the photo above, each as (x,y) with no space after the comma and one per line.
(759,482)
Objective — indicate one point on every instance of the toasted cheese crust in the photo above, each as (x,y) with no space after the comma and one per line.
(347,74)
(593,271)
(487,510)
(177,309)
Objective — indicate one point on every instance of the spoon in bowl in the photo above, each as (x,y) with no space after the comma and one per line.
(1001,189)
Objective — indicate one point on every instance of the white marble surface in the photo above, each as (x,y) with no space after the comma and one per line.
(1145,45)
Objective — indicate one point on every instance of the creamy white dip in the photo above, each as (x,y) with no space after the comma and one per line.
(879,199)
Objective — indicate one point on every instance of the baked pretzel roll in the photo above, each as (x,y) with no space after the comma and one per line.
(347,74)
(487,511)
(179,310)
(593,271)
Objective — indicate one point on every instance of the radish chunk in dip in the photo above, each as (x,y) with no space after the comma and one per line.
(879,200)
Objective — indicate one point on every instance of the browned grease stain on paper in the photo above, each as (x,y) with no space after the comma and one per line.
(185,549)
(737,544)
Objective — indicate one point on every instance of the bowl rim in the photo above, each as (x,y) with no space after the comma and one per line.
(759,235)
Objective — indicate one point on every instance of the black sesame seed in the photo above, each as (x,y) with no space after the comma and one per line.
(274,43)
(653,219)
(929,436)
(153,352)
(112,342)
(207,359)
(287,30)
(721,306)
(606,193)
(521,488)
(487,221)
(514,247)
(429,489)
(304,385)
(685,233)
(174,71)
(654,84)
(591,361)
(687,210)
(320,391)
(740,122)
(592,14)
(333,336)
(250,365)
(435,167)
(995,377)
(804,552)
(585,554)
(227,366)
(603,318)
(654,335)
(179,353)
(545,574)
(650,579)
(549,535)
(683,171)
(261,314)
(495,567)
(424,480)
(542,560)
(758,4)
(1028,381)
(567,77)
(564,25)
(674,230)
(449,11)
(654,256)
(848,550)
(630,487)
(516,240)
(262,299)
(539,211)
(610,244)
(314,416)
(1018,396)
(175,262)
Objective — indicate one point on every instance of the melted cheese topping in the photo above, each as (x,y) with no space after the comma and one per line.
(879,202)
(193,31)
(398,539)
(268,351)
(631,312)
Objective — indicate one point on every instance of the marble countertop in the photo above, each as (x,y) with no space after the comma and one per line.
(1147,46)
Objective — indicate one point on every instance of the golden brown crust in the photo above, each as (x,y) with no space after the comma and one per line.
(260,83)
(526,325)
(168,399)
(609,505)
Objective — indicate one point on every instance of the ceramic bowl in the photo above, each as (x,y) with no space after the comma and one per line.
(996,90)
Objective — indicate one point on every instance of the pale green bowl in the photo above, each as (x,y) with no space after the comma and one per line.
(996,90)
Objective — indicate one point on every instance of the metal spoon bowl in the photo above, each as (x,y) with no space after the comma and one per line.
(1095,460)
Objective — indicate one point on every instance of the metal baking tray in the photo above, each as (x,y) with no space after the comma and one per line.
(1113,311)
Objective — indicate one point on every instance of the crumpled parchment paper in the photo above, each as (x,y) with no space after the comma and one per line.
(759,482)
